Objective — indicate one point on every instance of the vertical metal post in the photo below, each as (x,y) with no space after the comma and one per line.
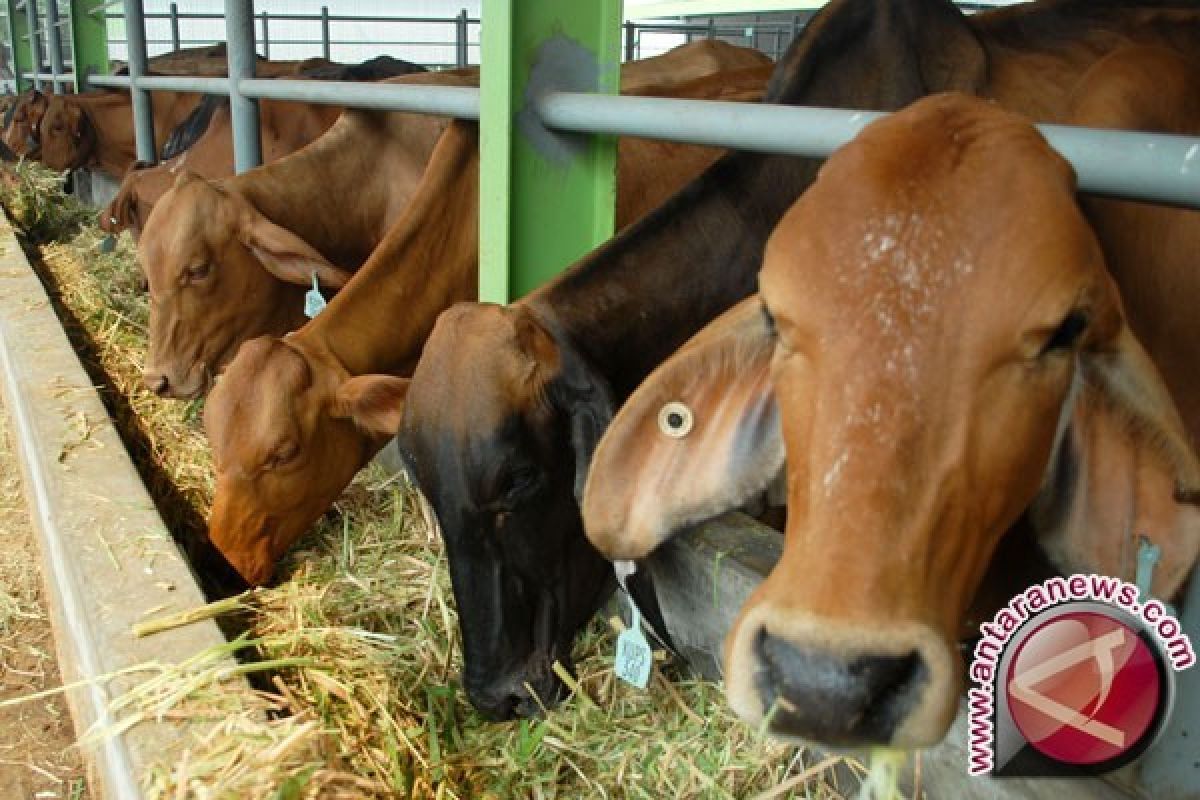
(89,41)
(143,112)
(712,28)
(630,42)
(325,48)
(54,45)
(1171,770)
(35,41)
(266,36)
(239,33)
(754,32)
(18,30)
(462,55)
(538,215)
(174,14)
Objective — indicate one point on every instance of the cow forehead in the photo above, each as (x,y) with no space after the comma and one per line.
(920,214)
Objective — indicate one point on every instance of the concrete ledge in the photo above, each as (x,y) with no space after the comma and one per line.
(107,558)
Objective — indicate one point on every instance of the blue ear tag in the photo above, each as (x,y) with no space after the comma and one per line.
(1148,556)
(313,301)
(634,655)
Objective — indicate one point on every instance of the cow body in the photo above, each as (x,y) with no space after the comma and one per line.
(694,257)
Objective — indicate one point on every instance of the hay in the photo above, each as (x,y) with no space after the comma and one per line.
(360,642)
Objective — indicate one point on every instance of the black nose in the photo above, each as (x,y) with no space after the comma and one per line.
(158,383)
(844,700)
(509,698)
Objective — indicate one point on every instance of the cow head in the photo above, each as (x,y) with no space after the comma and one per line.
(68,137)
(936,335)
(22,128)
(219,273)
(500,460)
(288,429)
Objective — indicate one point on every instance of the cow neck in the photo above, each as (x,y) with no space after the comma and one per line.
(427,261)
(114,148)
(308,191)
(635,300)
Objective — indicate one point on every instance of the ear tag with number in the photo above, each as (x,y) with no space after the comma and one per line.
(634,656)
(313,301)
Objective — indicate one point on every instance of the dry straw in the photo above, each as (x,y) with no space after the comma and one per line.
(355,648)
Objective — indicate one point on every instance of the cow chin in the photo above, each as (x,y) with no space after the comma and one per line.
(195,381)
(246,540)
(841,684)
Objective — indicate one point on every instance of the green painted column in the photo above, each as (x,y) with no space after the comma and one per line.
(18,31)
(89,41)
(539,213)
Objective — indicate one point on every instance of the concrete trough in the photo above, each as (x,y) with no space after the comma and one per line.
(107,557)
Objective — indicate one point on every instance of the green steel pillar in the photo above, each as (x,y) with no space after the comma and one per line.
(89,41)
(540,211)
(22,56)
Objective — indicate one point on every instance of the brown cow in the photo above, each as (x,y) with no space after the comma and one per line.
(196,326)
(285,127)
(283,456)
(96,129)
(490,454)
(990,368)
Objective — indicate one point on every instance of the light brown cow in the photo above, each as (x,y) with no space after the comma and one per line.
(96,129)
(285,128)
(300,204)
(291,420)
(937,346)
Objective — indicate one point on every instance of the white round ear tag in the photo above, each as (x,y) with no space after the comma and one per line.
(676,420)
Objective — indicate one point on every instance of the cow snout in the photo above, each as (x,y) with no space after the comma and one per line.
(157,382)
(846,699)
(510,697)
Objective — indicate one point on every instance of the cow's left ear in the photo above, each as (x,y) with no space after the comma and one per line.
(285,255)
(1125,470)
(375,403)
(700,436)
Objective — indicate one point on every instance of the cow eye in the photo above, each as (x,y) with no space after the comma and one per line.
(197,272)
(1067,333)
(282,455)
(516,485)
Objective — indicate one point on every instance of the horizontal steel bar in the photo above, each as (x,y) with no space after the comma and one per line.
(164,83)
(310,18)
(454,101)
(49,76)
(1139,166)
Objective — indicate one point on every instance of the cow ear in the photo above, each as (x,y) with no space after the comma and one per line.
(286,256)
(1124,470)
(700,436)
(375,403)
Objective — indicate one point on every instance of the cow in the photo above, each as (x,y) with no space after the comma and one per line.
(285,128)
(195,327)
(929,374)
(203,143)
(506,403)
(292,419)
(95,129)
(22,123)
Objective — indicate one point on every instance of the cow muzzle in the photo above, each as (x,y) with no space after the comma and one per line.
(193,382)
(522,693)
(843,685)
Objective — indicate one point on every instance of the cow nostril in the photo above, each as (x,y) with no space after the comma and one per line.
(846,699)
(157,383)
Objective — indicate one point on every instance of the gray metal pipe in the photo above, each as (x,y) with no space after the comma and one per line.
(143,111)
(462,52)
(239,33)
(1139,166)
(35,41)
(325,46)
(54,44)
(164,83)
(452,101)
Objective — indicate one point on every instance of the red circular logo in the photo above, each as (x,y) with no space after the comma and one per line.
(1084,688)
